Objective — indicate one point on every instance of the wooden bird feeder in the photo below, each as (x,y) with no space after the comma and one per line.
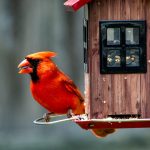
(117,63)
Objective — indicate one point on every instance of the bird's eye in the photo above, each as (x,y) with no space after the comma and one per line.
(33,62)
(36,60)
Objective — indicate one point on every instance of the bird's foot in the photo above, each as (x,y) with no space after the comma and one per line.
(70,113)
(47,116)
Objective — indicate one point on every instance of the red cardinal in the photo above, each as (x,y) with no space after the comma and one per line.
(53,89)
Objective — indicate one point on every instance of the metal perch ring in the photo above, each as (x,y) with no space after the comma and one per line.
(41,121)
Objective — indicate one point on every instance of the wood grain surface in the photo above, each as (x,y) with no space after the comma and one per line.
(110,94)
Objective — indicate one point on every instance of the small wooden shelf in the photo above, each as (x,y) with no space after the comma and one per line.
(114,123)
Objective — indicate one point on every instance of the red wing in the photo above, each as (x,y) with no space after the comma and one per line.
(71,87)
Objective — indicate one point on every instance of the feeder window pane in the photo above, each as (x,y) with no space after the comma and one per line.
(132,58)
(123,47)
(113,36)
(132,36)
(113,58)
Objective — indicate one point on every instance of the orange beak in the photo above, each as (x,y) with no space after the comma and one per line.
(25,67)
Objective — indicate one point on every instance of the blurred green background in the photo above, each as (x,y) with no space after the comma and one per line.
(28,26)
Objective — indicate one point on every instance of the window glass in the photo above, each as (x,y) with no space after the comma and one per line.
(132,36)
(113,36)
(113,58)
(132,57)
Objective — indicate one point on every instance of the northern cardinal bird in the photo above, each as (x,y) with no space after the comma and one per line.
(53,89)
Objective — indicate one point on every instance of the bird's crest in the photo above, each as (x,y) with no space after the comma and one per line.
(41,55)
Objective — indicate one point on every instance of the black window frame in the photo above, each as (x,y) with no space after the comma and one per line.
(104,47)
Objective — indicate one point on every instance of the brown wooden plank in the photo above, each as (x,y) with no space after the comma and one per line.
(105,83)
(125,15)
(139,12)
(116,80)
(143,82)
(93,49)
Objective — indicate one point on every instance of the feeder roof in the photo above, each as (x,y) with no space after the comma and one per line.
(76,4)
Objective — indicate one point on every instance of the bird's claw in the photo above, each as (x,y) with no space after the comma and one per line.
(47,117)
(70,113)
